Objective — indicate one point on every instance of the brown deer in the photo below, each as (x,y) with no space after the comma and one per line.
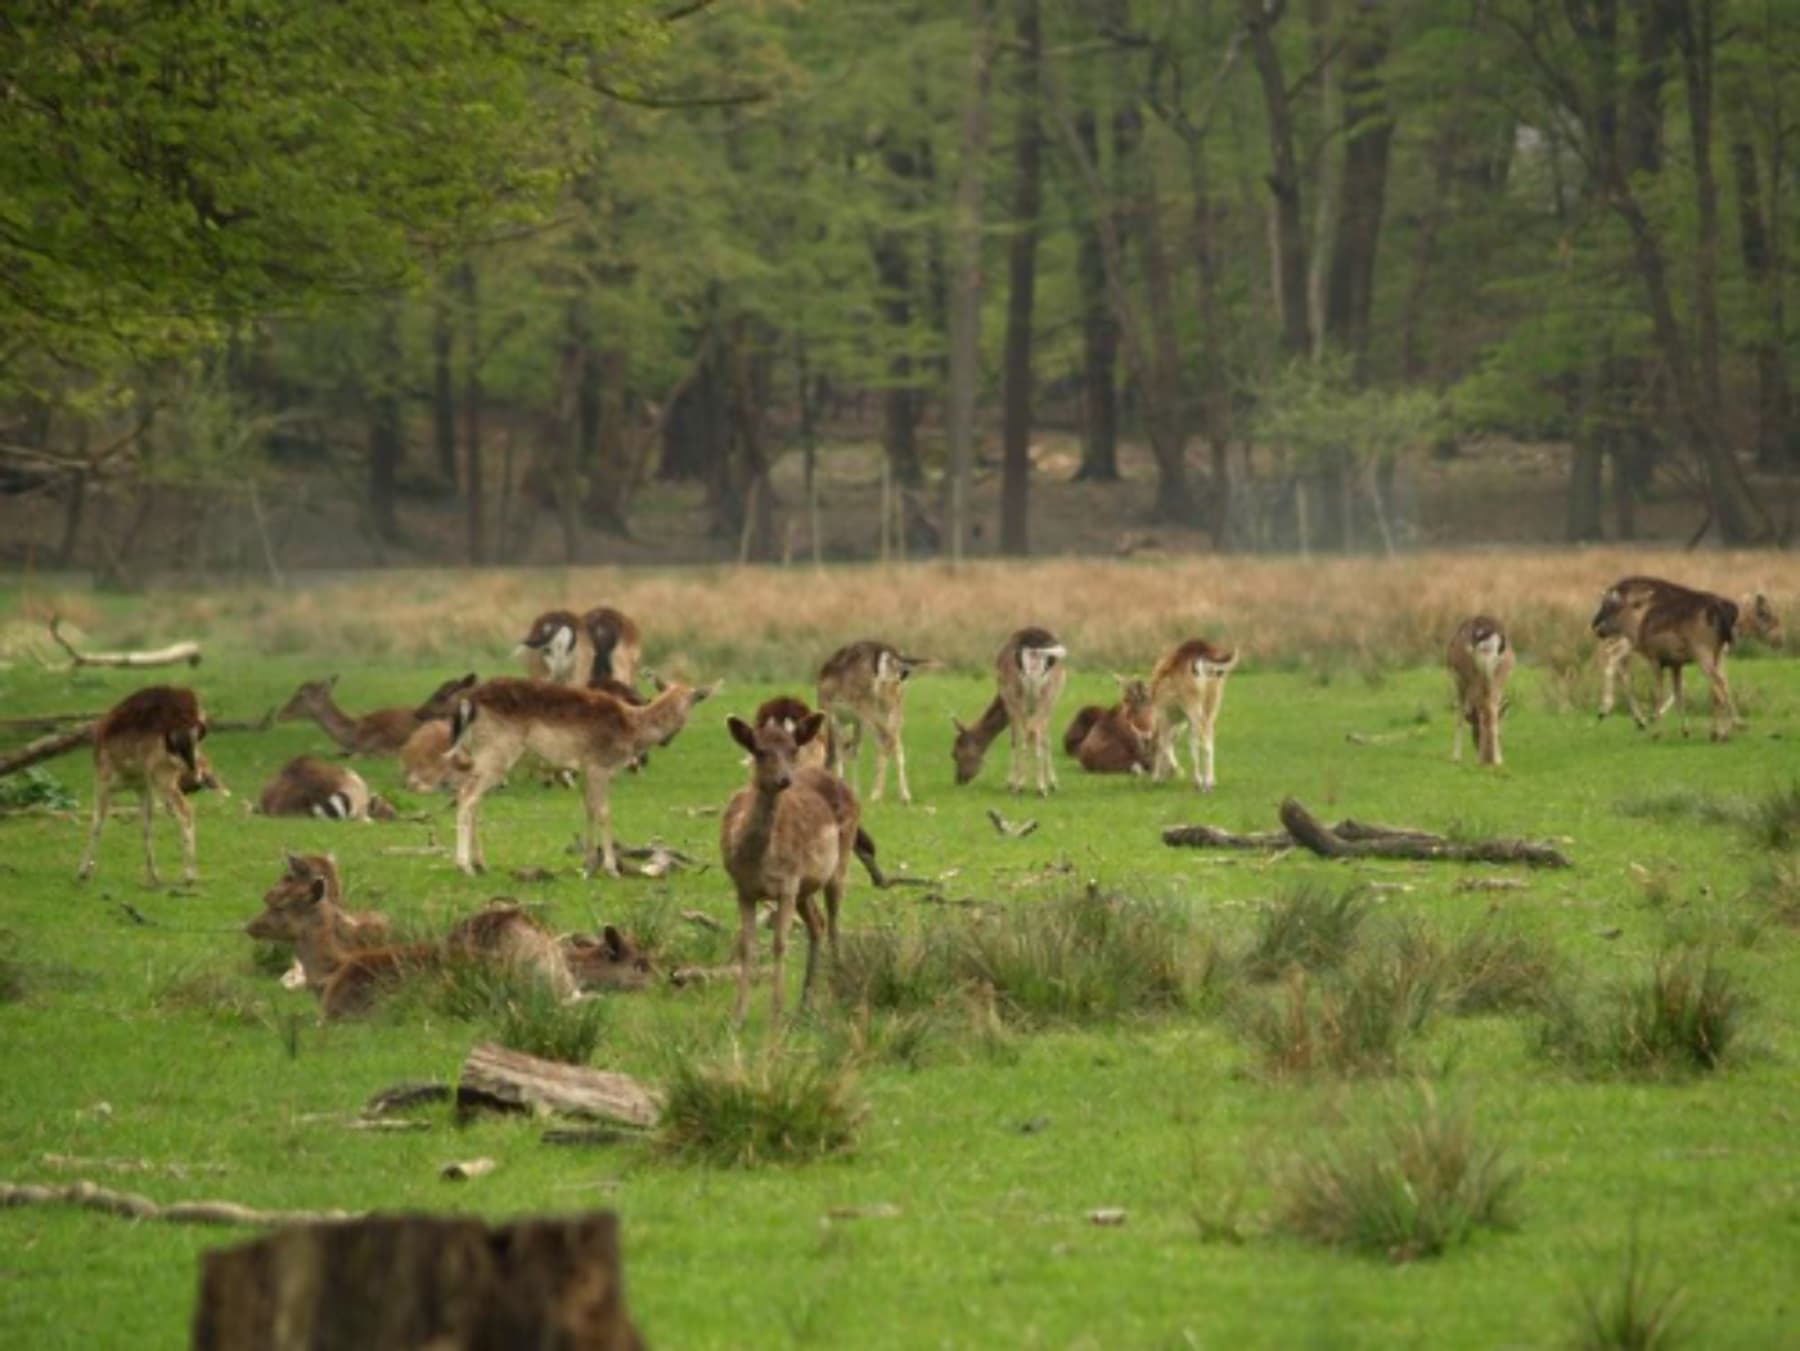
(570,649)
(863,685)
(1116,740)
(382,732)
(1189,683)
(610,962)
(786,837)
(1671,626)
(1756,618)
(347,961)
(1030,670)
(149,742)
(426,765)
(498,722)
(790,713)
(1481,662)
(309,786)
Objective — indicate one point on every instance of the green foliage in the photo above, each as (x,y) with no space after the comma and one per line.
(1417,1181)
(1682,1017)
(1638,1309)
(1312,409)
(783,1108)
(1354,1023)
(1309,927)
(537,1020)
(1775,818)
(35,787)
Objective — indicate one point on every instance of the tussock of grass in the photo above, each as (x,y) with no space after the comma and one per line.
(35,787)
(1681,1017)
(1493,968)
(1420,1179)
(537,1020)
(1354,1023)
(1776,893)
(1774,820)
(1680,803)
(786,1108)
(1074,959)
(1633,1311)
(1309,928)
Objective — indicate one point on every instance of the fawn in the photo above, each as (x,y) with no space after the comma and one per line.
(1030,670)
(1116,740)
(1189,683)
(309,786)
(149,742)
(863,685)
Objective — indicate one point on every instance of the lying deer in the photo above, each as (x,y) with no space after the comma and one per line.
(499,721)
(1481,662)
(149,743)
(1189,683)
(382,732)
(1756,618)
(1672,625)
(426,765)
(347,961)
(863,685)
(786,837)
(309,786)
(570,649)
(1116,740)
(1030,670)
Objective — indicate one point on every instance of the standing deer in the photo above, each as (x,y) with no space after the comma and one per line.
(1629,598)
(790,712)
(498,722)
(1671,626)
(382,732)
(1481,662)
(1189,683)
(863,685)
(149,742)
(1116,740)
(571,649)
(785,837)
(1030,669)
(309,786)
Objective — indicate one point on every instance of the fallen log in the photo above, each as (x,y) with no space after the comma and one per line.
(512,1081)
(131,1206)
(1211,837)
(175,654)
(402,1281)
(46,748)
(1311,833)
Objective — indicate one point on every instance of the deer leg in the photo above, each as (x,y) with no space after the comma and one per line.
(1721,697)
(1676,697)
(1616,655)
(147,812)
(1193,730)
(1015,776)
(468,803)
(102,805)
(900,767)
(597,788)
(746,955)
(1206,741)
(784,918)
(1049,760)
(883,748)
(809,916)
(183,812)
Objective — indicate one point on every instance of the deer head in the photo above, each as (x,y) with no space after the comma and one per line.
(968,751)
(306,700)
(293,905)
(772,749)
(442,701)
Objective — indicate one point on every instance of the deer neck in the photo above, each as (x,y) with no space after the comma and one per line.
(340,725)
(657,720)
(757,828)
(993,722)
(321,949)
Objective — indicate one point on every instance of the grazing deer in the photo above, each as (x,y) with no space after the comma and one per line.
(382,732)
(309,786)
(790,712)
(347,961)
(570,649)
(1757,618)
(149,742)
(1189,683)
(1481,662)
(785,837)
(864,685)
(1030,670)
(1670,626)
(498,722)
(1116,740)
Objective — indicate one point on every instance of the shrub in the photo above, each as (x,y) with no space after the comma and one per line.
(1351,1024)
(1420,1179)
(1633,1312)
(1309,928)
(1683,1016)
(786,1109)
(35,787)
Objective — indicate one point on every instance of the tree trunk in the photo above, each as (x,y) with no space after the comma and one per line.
(1350,293)
(1287,226)
(387,430)
(1774,441)
(1168,403)
(443,385)
(473,486)
(385,1283)
(1015,485)
(965,301)
(900,399)
(1099,340)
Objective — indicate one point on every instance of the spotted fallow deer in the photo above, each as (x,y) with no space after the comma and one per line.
(1030,670)
(1189,684)
(863,685)
(1756,618)
(1671,626)
(1480,659)
(347,961)
(498,722)
(382,732)
(570,649)
(150,743)
(1116,740)
(785,837)
(309,786)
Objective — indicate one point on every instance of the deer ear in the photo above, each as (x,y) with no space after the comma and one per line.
(614,941)
(741,732)
(956,722)
(707,691)
(809,727)
(316,892)
(296,865)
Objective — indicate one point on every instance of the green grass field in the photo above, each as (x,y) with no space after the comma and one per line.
(992,1138)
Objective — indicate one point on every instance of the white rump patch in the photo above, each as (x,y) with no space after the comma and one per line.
(1037,662)
(337,806)
(886,668)
(1487,652)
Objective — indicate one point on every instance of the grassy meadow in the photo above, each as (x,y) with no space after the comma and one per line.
(1370,1104)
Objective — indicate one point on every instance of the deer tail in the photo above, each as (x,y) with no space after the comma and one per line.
(865,851)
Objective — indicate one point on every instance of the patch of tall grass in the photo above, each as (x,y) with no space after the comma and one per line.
(1682,1016)
(1351,1023)
(784,1107)
(1310,927)
(1635,1309)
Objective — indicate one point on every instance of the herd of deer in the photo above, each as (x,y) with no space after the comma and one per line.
(788,836)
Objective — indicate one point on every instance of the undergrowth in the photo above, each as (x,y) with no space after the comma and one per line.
(783,1108)
(1682,1016)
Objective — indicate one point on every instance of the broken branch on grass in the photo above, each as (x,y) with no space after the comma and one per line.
(186,651)
(1013,830)
(1360,839)
(131,1206)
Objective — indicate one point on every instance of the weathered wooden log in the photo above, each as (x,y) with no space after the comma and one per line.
(1211,837)
(86,1195)
(405,1281)
(175,654)
(511,1079)
(1312,833)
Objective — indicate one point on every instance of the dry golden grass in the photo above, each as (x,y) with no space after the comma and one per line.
(1353,614)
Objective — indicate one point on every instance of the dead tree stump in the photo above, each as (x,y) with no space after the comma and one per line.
(407,1281)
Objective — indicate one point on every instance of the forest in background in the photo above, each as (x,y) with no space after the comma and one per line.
(459,272)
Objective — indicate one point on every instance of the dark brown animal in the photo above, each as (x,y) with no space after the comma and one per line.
(1672,625)
(570,649)
(1030,670)
(1481,660)
(790,712)
(1116,740)
(1624,606)
(149,743)
(309,786)
(382,732)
